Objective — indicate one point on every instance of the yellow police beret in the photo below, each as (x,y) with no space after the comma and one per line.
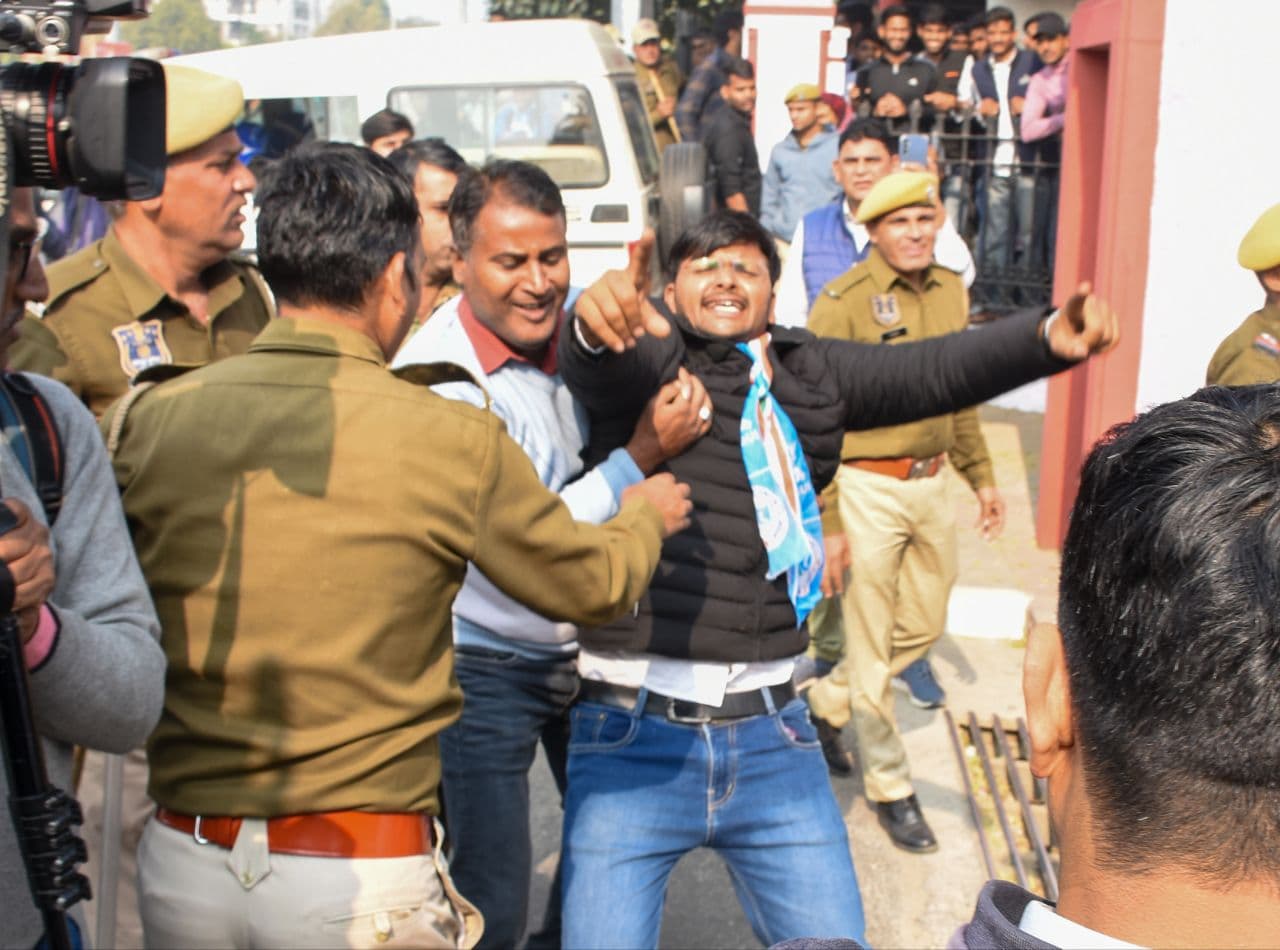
(805,90)
(199,105)
(899,190)
(1260,249)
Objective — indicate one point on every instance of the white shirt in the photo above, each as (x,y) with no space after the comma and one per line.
(1044,923)
(791,303)
(698,681)
(1005,153)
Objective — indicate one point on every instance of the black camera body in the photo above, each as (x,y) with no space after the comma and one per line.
(56,26)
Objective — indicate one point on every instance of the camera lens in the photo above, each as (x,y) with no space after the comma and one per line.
(34,100)
(53,31)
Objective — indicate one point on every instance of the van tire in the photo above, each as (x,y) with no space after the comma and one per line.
(683,196)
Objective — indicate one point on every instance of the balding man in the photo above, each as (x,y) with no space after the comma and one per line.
(159,288)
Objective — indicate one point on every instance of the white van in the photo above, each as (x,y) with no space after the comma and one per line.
(558,93)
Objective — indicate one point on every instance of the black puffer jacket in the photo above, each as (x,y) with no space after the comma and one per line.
(709,599)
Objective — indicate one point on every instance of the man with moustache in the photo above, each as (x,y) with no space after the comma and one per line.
(159,288)
(433,167)
(734,163)
(888,514)
(516,668)
(890,86)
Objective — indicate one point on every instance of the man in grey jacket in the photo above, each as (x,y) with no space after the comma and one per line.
(88,627)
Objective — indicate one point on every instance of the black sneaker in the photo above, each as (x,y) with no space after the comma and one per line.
(906,825)
(839,759)
(920,685)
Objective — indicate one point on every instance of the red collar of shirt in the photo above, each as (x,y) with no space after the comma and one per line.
(493,352)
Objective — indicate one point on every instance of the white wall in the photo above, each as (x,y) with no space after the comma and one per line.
(1215,172)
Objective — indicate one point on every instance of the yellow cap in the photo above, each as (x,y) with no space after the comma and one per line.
(199,105)
(899,190)
(1260,249)
(805,90)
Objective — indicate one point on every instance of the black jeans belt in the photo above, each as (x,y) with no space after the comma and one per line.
(735,705)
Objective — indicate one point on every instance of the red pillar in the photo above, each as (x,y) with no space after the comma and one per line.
(1108,166)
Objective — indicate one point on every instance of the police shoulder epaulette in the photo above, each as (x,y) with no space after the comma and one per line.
(850,278)
(72,273)
(433,374)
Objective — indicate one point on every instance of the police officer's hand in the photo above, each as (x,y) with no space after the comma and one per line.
(669,496)
(990,513)
(665,108)
(1085,325)
(25,549)
(676,417)
(836,566)
(615,311)
(890,106)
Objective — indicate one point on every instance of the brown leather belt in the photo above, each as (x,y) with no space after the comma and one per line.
(904,468)
(333,834)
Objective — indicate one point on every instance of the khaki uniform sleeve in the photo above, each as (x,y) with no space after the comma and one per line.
(1241,365)
(38,350)
(969,454)
(831,521)
(528,544)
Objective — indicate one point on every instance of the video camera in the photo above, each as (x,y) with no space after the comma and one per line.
(100,127)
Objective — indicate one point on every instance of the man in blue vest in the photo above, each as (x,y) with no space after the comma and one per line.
(1001,80)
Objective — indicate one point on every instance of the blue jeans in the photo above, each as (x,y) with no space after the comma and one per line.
(643,791)
(510,704)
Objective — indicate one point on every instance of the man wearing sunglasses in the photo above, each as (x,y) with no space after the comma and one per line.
(688,731)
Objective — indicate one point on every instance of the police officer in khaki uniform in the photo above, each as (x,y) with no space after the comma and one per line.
(659,80)
(159,287)
(304,519)
(888,513)
(1252,353)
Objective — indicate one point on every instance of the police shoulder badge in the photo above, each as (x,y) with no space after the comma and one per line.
(141,345)
(1267,344)
(884,307)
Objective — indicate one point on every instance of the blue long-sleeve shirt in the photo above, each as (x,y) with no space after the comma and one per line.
(798,180)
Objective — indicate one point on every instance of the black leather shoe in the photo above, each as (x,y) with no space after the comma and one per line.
(906,825)
(839,761)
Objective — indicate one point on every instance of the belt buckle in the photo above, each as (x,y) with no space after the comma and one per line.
(195,832)
(919,468)
(673,716)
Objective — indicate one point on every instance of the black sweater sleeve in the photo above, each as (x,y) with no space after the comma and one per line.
(890,385)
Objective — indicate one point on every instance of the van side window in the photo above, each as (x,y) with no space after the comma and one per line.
(639,129)
(552,126)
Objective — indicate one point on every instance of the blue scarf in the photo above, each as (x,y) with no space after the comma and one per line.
(786,505)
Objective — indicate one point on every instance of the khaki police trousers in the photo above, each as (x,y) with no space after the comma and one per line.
(202,895)
(902,546)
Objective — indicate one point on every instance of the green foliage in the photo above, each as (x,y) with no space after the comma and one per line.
(355,16)
(704,10)
(178,24)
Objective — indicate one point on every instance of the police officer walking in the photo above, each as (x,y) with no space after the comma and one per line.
(888,511)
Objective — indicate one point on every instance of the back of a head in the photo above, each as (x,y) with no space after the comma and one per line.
(868,127)
(434,152)
(726,22)
(330,218)
(384,122)
(519,183)
(1170,616)
(719,229)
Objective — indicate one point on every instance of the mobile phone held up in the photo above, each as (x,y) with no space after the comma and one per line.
(913,149)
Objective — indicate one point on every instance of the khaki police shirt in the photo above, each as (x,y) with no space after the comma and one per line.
(107,320)
(666,76)
(872,303)
(1251,354)
(304,519)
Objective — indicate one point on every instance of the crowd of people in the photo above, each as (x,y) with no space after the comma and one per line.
(361,529)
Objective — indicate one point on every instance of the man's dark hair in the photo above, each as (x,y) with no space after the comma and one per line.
(434,152)
(720,229)
(976,22)
(1000,15)
(521,183)
(857,11)
(726,22)
(1170,616)
(739,67)
(888,13)
(384,122)
(859,130)
(331,216)
(933,13)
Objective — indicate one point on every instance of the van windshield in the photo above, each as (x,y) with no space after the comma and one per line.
(552,126)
